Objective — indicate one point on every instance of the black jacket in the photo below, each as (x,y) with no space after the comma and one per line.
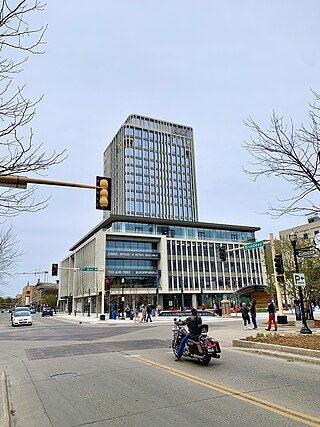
(271,308)
(253,309)
(192,322)
(245,312)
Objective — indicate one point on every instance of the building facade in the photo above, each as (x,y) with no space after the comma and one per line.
(152,166)
(305,231)
(144,260)
(27,295)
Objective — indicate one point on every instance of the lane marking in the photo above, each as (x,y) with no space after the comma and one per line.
(256,401)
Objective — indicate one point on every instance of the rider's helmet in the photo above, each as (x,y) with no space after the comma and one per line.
(194,311)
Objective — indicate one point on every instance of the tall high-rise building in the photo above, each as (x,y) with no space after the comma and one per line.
(152,166)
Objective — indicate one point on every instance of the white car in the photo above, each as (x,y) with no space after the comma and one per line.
(21,318)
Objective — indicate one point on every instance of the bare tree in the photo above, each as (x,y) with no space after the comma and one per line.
(9,254)
(18,154)
(293,155)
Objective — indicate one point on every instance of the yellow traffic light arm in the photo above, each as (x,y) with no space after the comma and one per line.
(16,181)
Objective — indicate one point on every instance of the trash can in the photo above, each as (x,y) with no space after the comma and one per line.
(102,317)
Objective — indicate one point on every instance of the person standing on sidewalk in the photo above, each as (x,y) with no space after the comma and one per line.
(245,315)
(149,311)
(253,314)
(272,316)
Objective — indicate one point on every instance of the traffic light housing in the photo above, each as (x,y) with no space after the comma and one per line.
(103,193)
(54,270)
(222,254)
(280,278)
(278,263)
(107,284)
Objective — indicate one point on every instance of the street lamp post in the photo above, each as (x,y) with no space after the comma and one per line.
(89,304)
(304,330)
(201,290)
(122,298)
(70,304)
(182,295)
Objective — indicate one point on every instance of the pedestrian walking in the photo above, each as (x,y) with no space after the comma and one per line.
(253,314)
(143,314)
(136,314)
(245,316)
(149,311)
(272,316)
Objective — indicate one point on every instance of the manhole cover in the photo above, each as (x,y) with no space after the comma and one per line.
(63,376)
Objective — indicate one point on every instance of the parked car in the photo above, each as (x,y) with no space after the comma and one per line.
(21,318)
(47,311)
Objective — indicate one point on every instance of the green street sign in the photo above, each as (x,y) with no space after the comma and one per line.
(88,269)
(254,245)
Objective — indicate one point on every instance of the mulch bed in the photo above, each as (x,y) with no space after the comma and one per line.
(311,342)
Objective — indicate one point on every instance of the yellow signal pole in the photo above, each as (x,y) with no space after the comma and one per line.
(277,285)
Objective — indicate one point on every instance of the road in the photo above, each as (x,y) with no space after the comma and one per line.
(68,374)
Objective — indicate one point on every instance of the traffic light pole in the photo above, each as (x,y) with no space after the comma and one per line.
(102,293)
(15,181)
(282,319)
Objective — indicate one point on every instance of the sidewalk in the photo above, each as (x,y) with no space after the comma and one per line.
(94,319)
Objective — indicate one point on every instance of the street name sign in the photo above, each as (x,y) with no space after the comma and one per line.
(254,245)
(88,269)
(299,279)
(305,254)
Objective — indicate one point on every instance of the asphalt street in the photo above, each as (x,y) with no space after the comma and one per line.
(64,371)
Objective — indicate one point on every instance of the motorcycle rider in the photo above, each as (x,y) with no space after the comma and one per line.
(192,322)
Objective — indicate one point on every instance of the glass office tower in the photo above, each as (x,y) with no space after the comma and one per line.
(152,166)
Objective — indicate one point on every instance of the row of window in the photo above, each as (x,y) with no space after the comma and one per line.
(138,170)
(158,157)
(207,249)
(165,193)
(130,246)
(156,137)
(150,163)
(163,185)
(146,208)
(139,197)
(218,266)
(207,283)
(192,233)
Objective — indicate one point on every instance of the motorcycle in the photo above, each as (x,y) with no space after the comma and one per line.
(201,347)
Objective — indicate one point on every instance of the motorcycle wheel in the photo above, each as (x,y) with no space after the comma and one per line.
(206,360)
(174,347)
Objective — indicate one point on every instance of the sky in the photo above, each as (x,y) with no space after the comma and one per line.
(207,64)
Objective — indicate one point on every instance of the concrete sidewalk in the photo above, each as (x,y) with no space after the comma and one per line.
(94,319)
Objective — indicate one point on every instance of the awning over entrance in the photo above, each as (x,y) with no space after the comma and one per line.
(247,290)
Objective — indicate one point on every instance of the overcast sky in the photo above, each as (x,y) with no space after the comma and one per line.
(207,64)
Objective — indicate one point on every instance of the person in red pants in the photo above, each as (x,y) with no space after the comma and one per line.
(272,316)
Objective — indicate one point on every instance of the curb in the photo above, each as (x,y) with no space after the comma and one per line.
(4,401)
(273,350)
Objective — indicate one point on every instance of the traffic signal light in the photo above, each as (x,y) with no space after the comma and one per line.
(54,270)
(222,254)
(107,284)
(280,278)
(278,264)
(103,193)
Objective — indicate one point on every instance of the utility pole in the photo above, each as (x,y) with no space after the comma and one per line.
(282,319)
